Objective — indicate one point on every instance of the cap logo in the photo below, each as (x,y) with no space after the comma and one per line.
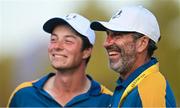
(117,15)
(70,17)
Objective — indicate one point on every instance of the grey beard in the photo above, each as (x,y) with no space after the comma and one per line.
(124,65)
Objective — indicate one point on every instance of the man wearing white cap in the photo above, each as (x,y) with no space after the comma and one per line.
(132,34)
(69,51)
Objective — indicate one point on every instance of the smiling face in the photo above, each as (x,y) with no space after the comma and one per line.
(121,49)
(65,48)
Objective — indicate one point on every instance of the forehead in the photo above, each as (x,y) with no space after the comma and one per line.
(64,28)
(117,33)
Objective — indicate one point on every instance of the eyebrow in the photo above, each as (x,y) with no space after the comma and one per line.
(66,36)
(73,36)
(52,34)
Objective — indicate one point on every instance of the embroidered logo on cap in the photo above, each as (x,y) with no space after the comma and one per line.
(117,15)
(70,17)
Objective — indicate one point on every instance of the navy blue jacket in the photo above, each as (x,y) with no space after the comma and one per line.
(32,94)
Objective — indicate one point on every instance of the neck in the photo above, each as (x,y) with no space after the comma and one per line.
(138,62)
(70,82)
(66,85)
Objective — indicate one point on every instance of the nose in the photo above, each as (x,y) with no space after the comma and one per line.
(108,41)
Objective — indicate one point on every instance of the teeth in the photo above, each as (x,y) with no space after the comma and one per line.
(113,53)
(57,55)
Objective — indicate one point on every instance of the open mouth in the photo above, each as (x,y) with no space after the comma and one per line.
(58,55)
(113,54)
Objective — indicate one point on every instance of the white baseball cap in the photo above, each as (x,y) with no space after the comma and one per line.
(76,21)
(131,19)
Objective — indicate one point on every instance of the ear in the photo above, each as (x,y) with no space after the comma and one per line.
(142,43)
(87,53)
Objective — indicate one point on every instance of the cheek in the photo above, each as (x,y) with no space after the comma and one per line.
(50,47)
(126,48)
(49,51)
(130,50)
(75,53)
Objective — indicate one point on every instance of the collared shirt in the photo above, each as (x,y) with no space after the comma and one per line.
(32,94)
(152,91)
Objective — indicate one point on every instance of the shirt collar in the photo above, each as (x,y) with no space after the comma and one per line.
(40,83)
(95,88)
(136,73)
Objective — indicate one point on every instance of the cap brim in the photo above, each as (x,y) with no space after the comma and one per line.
(99,25)
(50,24)
(103,26)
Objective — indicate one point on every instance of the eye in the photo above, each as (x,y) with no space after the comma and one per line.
(53,39)
(70,40)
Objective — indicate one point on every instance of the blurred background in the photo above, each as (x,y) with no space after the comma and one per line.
(23,43)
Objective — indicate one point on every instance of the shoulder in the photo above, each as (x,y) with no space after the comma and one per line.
(21,91)
(152,90)
(24,85)
(154,81)
(99,87)
(104,90)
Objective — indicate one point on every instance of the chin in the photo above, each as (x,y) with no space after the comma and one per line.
(115,66)
(56,66)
